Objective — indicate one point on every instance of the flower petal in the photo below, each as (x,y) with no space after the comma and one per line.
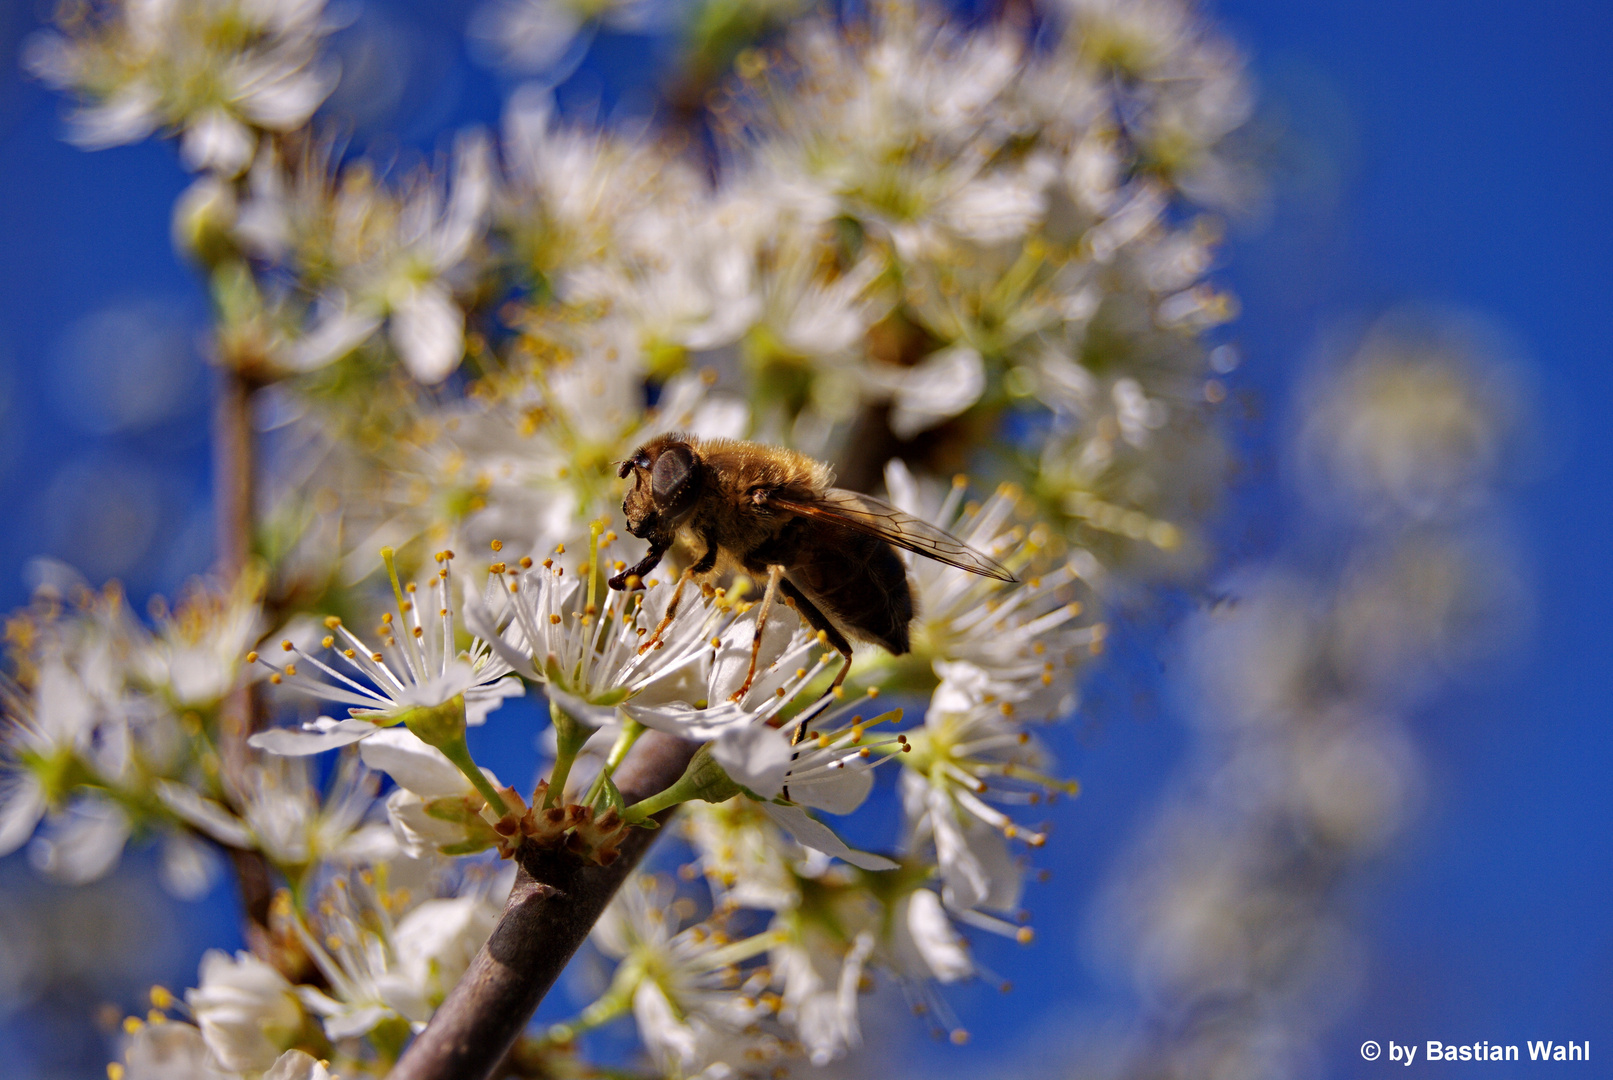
(323,734)
(815,834)
(755,756)
(428,330)
(419,768)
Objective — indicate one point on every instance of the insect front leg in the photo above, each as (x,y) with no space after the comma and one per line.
(658,548)
(775,574)
(671,612)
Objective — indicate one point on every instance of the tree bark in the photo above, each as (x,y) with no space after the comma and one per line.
(555,902)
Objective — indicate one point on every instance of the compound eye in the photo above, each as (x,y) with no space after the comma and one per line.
(670,479)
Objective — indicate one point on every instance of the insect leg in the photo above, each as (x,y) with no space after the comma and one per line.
(818,621)
(671,613)
(642,567)
(775,574)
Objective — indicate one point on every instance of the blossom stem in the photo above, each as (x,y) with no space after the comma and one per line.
(569,737)
(459,753)
(704,779)
(631,730)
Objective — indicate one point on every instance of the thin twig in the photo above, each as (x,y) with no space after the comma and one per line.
(555,902)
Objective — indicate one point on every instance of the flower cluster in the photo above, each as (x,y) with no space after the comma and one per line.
(908,245)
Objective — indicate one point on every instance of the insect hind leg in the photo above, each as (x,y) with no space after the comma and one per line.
(818,621)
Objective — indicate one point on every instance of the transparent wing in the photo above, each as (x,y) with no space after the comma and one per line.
(867,514)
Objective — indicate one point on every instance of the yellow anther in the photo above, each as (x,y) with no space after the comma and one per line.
(275,678)
(114,1071)
(155,1017)
(132,1024)
(349,653)
(162,997)
(332,622)
(554,620)
(526,562)
(327,641)
(497,545)
(287,646)
(251,657)
(1025,935)
(376,657)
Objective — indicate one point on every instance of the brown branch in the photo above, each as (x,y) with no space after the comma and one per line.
(556,900)
(234,492)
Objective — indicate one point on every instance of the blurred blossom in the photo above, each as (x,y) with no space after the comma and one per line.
(216,71)
(1419,423)
(1302,688)
(546,39)
(906,242)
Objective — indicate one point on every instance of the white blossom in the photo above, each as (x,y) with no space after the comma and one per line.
(246,1010)
(425,671)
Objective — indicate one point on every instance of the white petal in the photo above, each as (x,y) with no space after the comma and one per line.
(205,814)
(733,658)
(189,867)
(589,715)
(83,844)
(840,791)
(436,941)
(356,1022)
(902,487)
(22,807)
(943,385)
(815,834)
(128,116)
(296,1065)
(755,756)
(219,142)
(673,1044)
(684,720)
(940,946)
(323,734)
(282,100)
(422,769)
(484,699)
(337,331)
(966,884)
(171,1051)
(429,332)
